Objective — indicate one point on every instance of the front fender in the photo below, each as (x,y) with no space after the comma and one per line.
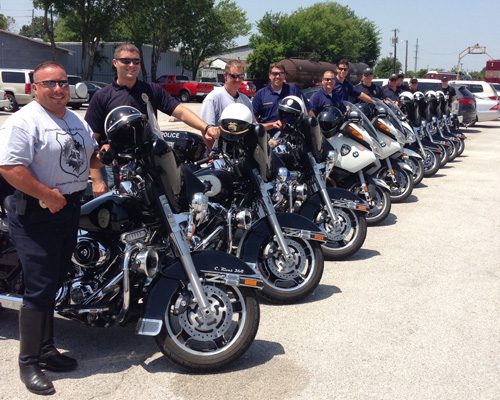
(405,166)
(411,153)
(340,197)
(259,233)
(211,265)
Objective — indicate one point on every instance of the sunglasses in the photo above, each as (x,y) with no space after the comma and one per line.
(342,69)
(127,61)
(276,73)
(328,79)
(53,84)
(236,76)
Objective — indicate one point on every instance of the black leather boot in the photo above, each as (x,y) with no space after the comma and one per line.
(31,328)
(50,357)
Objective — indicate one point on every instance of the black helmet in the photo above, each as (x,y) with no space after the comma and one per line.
(366,109)
(330,120)
(124,127)
(381,112)
(236,120)
(291,108)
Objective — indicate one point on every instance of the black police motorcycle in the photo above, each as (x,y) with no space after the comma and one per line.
(132,261)
(284,248)
(309,159)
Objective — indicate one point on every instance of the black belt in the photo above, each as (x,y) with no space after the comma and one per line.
(72,198)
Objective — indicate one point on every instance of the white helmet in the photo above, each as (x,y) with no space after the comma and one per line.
(292,107)
(236,119)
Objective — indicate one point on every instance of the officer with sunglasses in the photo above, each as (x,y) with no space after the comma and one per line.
(219,98)
(128,90)
(345,90)
(266,100)
(325,97)
(46,151)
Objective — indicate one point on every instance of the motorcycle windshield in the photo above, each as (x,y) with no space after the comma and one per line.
(392,115)
(370,129)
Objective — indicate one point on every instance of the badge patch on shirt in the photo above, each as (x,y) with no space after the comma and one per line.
(73,159)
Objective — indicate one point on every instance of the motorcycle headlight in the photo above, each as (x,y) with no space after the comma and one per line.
(283,174)
(147,262)
(244,219)
(410,137)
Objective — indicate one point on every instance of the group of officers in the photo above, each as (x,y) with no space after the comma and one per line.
(48,152)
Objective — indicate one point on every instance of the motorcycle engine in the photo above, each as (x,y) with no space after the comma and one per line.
(89,253)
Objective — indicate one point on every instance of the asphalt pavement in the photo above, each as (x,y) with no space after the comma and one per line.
(413,315)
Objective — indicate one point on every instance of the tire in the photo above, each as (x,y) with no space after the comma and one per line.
(431,163)
(444,156)
(284,282)
(417,166)
(402,188)
(13,103)
(347,234)
(184,96)
(76,106)
(453,151)
(211,346)
(379,206)
(461,147)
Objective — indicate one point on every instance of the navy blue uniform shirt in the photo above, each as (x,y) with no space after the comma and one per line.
(389,93)
(112,96)
(345,90)
(372,90)
(265,102)
(321,99)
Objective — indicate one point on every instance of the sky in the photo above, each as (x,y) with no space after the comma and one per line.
(444,28)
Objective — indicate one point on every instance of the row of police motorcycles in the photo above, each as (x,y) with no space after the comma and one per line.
(186,243)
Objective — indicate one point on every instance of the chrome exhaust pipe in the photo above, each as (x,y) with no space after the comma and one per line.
(11,301)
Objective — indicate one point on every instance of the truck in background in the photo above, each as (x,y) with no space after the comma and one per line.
(492,71)
(180,86)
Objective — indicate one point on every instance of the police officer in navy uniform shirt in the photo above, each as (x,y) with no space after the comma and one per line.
(46,151)
(266,100)
(345,90)
(391,90)
(368,87)
(325,97)
(127,90)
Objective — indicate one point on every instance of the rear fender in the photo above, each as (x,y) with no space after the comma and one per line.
(211,265)
(291,224)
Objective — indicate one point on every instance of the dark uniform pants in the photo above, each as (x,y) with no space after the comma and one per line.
(44,243)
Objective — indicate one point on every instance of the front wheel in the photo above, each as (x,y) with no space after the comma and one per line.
(417,167)
(461,147)
(401,184)
(184,96)
(13,106)
(290,280)
(207,344)
(346,231)
(431,162)
(379,203)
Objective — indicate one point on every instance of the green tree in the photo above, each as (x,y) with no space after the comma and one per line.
(385,67)
(7,23)
(35,30)
(211,30)
(328,30)
(421,73)
(49,12)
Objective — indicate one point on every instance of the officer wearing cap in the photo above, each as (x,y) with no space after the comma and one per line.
(402,85)
(413,85)
(368,87)
(390,90)
(46,151)
(448,90)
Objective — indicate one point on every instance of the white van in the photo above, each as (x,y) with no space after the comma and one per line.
(17,86)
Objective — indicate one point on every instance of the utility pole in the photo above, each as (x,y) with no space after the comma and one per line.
(395,42)
(406,57)
(416,56)
(32,22)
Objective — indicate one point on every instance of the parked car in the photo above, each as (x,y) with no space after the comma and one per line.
(248,88)
(78,92)
(4,101)
(17,85)
(481,89)
(497,87)
(94,86)
(465,107)
(487,99)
